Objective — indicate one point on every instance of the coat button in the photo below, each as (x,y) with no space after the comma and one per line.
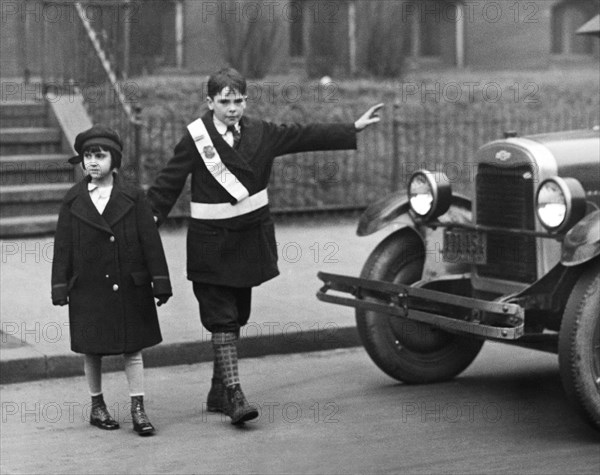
(106,276)
(112,239)
(115,287)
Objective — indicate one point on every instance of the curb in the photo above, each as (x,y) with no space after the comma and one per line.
(61,366)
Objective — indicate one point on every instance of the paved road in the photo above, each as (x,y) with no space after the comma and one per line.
(327,412)
(283,309)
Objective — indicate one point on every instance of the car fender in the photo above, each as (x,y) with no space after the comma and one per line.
(582,243)
(394,210)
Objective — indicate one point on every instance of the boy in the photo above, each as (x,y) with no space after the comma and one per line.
(231,240)
(108,264)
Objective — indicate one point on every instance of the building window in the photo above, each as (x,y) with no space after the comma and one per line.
(296,19)
(567,17)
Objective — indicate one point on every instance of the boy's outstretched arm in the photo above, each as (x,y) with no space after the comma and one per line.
(294,138)
(368,118)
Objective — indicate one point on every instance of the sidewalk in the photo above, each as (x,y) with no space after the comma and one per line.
(286,316)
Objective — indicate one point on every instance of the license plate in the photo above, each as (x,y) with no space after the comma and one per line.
(465,246)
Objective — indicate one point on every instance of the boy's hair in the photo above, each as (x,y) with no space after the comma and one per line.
(115,155)
(226,77)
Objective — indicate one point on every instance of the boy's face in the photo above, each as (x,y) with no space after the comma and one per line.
(228,106)
(97,163)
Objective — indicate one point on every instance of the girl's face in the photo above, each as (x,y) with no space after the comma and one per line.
(97,163)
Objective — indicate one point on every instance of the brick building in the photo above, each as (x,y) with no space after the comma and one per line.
(336,37)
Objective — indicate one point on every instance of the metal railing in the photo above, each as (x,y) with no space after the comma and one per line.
(79,56)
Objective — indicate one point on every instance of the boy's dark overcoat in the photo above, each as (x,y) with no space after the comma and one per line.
(240,251)
(110,266)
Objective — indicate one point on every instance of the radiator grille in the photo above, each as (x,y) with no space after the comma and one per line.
(505,199)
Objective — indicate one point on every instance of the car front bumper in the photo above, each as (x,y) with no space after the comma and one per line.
(444,303)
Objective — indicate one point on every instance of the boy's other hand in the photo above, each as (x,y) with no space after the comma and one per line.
(368,118)
(161,299)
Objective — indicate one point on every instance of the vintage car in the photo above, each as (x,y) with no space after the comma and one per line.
(519,264)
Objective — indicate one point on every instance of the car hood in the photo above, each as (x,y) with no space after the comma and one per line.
(577,154)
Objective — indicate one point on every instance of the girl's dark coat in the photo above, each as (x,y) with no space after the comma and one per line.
(110,267)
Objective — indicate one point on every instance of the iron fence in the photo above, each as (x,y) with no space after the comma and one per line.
(407,139)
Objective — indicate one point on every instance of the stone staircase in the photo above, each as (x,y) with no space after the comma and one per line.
(34,172)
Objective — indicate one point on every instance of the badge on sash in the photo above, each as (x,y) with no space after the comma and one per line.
(213,162)
(209,151)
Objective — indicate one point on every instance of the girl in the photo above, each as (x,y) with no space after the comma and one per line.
(108,265)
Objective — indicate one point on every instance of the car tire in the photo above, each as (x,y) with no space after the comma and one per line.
(579,345)
(409,351)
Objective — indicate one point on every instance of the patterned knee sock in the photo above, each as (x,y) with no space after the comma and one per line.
(226,357)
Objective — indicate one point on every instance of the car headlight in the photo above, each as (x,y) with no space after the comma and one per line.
(560,203)
(427,197)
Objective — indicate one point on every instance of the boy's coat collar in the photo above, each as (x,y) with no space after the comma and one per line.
(233,158)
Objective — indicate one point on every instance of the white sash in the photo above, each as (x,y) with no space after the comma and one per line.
(227,210)
(213,162)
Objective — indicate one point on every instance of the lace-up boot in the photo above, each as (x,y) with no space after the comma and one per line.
(99,415)
(217,398)
(238,407)
(141,423)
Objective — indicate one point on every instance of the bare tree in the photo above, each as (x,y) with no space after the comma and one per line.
(387,39)
(250,42)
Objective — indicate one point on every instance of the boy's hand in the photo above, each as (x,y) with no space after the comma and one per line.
(161,299)
(368,118)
